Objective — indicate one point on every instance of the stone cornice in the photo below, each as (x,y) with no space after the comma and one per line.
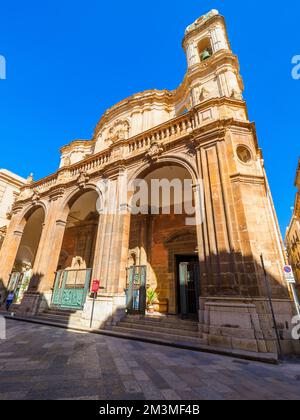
(12,179)
(248,179)
(75,143)
(297,206)
(141,99)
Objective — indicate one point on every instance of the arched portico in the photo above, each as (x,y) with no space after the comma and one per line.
(80,216)
(171,212)
(29,234)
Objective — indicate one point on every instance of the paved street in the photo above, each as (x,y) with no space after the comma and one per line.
(38,362)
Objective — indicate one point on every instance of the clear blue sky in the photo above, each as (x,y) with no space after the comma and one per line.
(68,61)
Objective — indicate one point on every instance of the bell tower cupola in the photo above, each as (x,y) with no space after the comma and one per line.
(213,69)
(205,37)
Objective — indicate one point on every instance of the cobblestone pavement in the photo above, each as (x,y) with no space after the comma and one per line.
(38,362)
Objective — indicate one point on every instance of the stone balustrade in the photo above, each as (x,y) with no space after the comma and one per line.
(176,128)
(172,130)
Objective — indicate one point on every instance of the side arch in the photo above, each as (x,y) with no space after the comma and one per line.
(179,160)
(73,195)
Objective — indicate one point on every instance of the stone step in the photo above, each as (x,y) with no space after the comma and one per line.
(67,322)
(167,337)
(187,326)
(173,319)
(62,312)
(159,328)
(59,318)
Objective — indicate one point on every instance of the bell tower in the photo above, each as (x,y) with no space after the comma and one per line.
(212,66)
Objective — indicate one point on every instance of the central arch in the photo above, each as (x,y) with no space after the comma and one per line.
(163,243)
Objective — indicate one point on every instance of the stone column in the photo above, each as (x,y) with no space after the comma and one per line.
(50,246)
(111,255)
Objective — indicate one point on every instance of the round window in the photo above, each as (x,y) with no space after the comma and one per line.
(244,154)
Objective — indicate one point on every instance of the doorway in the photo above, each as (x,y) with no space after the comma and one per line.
(188,286)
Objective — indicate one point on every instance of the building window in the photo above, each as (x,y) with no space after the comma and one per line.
(244,154)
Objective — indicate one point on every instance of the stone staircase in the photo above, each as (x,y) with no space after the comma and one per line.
(62,317)
(165,329)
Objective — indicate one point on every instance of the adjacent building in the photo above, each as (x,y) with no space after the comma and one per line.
(10,186)
(195,257)
(292,239)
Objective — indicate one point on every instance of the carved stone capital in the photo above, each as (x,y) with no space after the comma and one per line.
(56,194)
(16,208)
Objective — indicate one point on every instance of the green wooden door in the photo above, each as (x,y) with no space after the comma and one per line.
(71,288)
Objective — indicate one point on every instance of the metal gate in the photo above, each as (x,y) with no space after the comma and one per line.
(71,288)
(189,276)
(136,290)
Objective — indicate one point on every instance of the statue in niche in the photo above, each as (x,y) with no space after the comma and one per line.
(78,263)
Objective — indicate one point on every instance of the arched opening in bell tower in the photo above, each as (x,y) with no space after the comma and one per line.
(205,49)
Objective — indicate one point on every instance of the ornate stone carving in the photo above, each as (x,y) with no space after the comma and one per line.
(9,213)
(235,94)
(35,197)
(118,132)
(155,151)
(191,148)
(201,20)
(67,161)
(82,179)
(30,179)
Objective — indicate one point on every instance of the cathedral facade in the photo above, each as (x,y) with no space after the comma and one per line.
(204,267)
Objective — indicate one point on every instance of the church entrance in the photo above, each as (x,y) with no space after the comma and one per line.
(188,286)
(71,288)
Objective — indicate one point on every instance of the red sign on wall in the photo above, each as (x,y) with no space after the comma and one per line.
(95,286)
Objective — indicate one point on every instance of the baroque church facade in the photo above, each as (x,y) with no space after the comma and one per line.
(209,271)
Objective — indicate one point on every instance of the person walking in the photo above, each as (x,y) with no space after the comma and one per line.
(9,300)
